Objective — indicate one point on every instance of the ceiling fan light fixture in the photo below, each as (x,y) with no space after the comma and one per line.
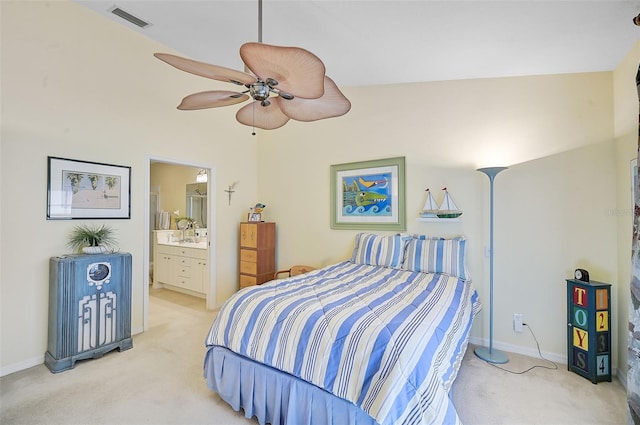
(259,90)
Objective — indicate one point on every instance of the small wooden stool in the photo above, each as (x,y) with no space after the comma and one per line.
(294,271)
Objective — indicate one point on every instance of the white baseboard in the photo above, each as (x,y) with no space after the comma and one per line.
(531,352)
(35,361)
(554,357)
(525,351)
(25,364)
(622,377)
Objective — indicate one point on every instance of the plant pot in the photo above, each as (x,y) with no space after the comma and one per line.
(94,249)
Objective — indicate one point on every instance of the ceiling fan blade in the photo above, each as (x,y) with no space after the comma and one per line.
(332,104)
(211,99)
(265,117)
(202,69)
(297,70)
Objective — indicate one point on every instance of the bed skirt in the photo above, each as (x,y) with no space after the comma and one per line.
(275,397)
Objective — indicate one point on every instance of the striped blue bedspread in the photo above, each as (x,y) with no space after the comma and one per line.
(389,340)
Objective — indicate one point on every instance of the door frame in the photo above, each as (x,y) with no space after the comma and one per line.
(211,230)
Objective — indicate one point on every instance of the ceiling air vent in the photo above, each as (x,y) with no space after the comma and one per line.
(129,17)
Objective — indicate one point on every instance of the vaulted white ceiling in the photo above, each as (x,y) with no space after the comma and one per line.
(366,42)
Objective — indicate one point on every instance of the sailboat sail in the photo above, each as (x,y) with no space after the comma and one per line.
(448,208)
(430,208)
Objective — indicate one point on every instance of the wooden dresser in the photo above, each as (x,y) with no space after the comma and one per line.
(257,253)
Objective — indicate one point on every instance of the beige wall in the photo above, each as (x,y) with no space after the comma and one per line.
(551,213)
(77,86)
(70,88)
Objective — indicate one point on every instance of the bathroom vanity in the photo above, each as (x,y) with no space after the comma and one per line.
(180,265)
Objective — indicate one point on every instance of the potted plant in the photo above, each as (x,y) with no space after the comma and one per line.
(93,239)
(183,223)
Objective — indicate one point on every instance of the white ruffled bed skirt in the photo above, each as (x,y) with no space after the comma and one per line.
(273,396)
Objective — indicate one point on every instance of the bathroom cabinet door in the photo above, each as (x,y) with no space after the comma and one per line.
(164,269)
(199,275)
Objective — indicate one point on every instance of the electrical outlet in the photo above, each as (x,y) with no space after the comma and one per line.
(518,320)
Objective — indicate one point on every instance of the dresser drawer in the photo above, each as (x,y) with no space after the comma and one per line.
(248,267)
(248,255)
(184,271)
(184,282)
(247,281)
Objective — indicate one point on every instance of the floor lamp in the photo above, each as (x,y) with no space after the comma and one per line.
(489,354)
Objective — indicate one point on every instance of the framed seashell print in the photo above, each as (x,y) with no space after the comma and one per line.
(82,189)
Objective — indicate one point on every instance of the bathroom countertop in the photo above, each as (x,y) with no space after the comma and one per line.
(197,245)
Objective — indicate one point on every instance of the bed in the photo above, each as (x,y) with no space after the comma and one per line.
(376,339)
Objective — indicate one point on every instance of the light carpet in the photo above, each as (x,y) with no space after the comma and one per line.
(159,381)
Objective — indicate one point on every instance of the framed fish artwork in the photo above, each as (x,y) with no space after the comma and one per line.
(368,195)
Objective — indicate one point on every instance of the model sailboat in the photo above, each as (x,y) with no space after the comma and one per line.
(448,208)
(430,209)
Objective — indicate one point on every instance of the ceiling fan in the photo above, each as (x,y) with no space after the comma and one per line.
(285,83)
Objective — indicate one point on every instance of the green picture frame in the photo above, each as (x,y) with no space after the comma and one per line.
(369,195)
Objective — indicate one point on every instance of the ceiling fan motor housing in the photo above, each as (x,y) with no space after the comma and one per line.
(259,90)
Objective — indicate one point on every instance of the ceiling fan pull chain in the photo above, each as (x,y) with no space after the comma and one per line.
(253,133)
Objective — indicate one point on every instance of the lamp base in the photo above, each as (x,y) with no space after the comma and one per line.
(491,356)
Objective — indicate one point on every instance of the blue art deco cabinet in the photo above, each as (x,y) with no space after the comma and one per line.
(89,308)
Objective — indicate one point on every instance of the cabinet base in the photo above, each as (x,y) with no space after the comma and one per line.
(183,290)
(60,365)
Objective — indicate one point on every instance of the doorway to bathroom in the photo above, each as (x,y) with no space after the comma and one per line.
(180,224)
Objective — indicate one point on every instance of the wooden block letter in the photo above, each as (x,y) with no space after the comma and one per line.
(579,296)
(602,301)
(580,360)
(602,363)
(581,339)
(603,342)
(580,317)
(602,321)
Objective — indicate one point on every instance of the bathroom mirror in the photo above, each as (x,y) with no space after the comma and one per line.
(197,203)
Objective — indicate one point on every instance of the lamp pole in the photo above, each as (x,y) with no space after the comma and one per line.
(489,354)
